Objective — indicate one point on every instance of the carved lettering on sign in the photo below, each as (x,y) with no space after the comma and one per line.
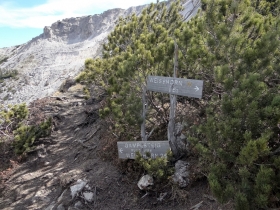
(176,86)
(128,149)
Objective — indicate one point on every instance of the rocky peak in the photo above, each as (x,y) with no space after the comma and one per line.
(59,53)
(72,30)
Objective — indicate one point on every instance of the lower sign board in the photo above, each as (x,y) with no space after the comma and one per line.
(128,149)
(176,86)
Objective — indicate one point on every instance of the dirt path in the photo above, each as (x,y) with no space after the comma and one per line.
(74,152)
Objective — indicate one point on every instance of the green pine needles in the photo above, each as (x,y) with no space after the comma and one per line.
(160,168)
(139,46)
(14,120)
(234,46)
(26,135)
(238,58)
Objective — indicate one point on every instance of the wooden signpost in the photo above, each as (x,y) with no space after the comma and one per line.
(174,86)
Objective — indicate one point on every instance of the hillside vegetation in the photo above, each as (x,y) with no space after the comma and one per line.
(234,47)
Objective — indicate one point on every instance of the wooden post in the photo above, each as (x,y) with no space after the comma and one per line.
(143,125)
(173,104)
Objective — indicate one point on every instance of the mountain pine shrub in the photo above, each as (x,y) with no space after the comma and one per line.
(25,135)
(138,46)
(160,168)
(13,123)
(234,46)
(12,116)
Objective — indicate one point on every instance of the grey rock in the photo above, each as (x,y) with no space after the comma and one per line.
(181,140)
(79,205)
(181,175)
(48,176)
(145,182)
(78,187)
(46,163)
(88,196)
(60,207)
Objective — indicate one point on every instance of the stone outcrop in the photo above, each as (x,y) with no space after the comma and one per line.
(56,55)
(59,54)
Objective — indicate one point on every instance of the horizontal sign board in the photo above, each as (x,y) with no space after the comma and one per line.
(176,86)
(128,149)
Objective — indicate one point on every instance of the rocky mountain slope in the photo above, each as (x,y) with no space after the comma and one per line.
(59,53)
(43,63)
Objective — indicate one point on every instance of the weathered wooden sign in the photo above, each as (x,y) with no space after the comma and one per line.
(176,86)
(128,149)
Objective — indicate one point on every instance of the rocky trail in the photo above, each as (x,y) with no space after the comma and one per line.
(68,170)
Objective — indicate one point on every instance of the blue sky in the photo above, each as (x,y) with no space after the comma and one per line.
(21,20)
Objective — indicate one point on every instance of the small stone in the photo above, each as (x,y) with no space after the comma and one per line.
(145,182)
(88,187)
(46,163)
(183,137)
(88,196)
(48,176)
(60,207)
(75,189)
(78,205)
(162,196)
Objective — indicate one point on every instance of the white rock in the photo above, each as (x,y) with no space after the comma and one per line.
(88,187)
(48,176)
(78,187)
(46,163)
(145,182)
(88,196)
